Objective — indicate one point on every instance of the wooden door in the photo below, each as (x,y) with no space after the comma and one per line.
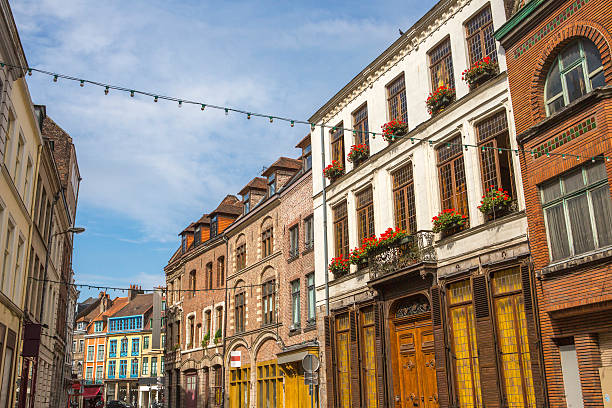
(191,391)
(416,374)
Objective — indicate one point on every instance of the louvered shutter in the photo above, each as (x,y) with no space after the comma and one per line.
(439,347)
(379,321)
(355,364)
(532,334)
(330,366)
(487,351)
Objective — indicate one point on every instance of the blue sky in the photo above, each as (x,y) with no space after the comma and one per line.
(149,168)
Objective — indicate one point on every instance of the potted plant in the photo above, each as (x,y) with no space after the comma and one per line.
(449,222)
(495,202)
(440,99)
(339,266)
(176,347)
(480,72)
(334,170)
(358,153)
(394,129)
(217,335)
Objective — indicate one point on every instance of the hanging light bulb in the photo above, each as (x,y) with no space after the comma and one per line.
(226,111)
(592,160)
(30,71)
(373,135)
(465,146)
(577,157)
(312,126)
(203,107)
(292,123)
(82,83)
(155,100)
(271,119)
(516,152)
(180,104)
(132,94)
(607,159)
(563,156)
(448,146)
(248,116)
(500,151)
(106,91)
(54,78)
(412,140)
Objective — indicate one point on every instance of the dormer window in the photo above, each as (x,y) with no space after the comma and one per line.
(213,226)
(247,203)
(271,184)
(98,326)
(197,235)
(307,157)
(183,243)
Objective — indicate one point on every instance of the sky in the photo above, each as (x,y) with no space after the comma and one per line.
(149,169)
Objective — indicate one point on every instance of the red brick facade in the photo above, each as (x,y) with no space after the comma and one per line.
(573,295)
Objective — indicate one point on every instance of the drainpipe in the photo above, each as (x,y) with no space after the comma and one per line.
(324,196)
(225,306)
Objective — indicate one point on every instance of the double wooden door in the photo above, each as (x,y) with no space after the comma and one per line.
(415,365)
(191,390)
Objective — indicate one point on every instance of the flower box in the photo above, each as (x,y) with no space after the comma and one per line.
(394,130)
(449,221)
(339,267)
(334,171)
(495,203)
(358,154)
(480,72)
(440,99)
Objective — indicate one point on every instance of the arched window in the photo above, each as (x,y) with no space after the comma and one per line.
(576,71)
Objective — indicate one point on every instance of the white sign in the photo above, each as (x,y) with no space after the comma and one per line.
(235,359)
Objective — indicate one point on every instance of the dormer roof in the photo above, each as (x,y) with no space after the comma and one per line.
(284,163)
(204,220)
(190,228)
(258,183)
(229,206)
(304,142)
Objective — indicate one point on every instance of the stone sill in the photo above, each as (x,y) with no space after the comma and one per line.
(585,259)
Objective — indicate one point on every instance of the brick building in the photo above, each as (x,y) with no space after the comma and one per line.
(559,70)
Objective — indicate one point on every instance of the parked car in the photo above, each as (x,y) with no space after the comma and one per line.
(117,404)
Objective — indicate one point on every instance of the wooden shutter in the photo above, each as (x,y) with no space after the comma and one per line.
(487,352)
(379,330)
(355,364)
(330,366)
(439,347)
(532,335)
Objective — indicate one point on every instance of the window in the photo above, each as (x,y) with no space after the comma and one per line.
(294,239)
(217,389)
(464,346)
(307,157)
(577,211)
(81,344)
(145,366)
(268,301)
(8,248)
(89,373)
(337,144)
(266,243)
(576,71)
(495,164)
(241,257)
(134,368)
(18,160)
(360,125)
(239,312)
(145,342)
(220,272)
(209,275)
(479,32)
(191,331)
(99,373)
(183,243)
(368,360)
(343,362)
(269,383)
(197,235)
(219,312)
(246,200)
(124,347)
(214,226)
(98,326)
(153,366)
(310,282)
(365,214)
(513,341)
(453,191)
(122,368)
(403,199)
(192,282)
(271,184)
(308,233)
(295,303)
(163,341)
(8,145)
(341,229)
(240,386)
(441,65)
(135,347)
(100,356)
(90,353)
(208,324)
(396,100)
(112,352)
(112,367)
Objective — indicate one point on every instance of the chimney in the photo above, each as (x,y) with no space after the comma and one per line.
(133,291)
(103,301)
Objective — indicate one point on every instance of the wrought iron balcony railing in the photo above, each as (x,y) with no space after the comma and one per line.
(412,250)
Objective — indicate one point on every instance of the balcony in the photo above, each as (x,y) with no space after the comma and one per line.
(112,354)
(124,353)
(411,251)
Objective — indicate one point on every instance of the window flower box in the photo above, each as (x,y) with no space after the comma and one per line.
(334,171)
(339,266)
(440,99)
(394,129)
(495,203)
(218,335)
(449,222)
(358,154)
(480,72)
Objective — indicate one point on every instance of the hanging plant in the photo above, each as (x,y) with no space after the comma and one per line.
(494,200)
(358,153)
(447,219)
(334,170)
(394,129)
(440,99)
(480,72)
(339,266)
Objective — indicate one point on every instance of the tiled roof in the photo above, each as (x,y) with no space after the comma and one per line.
(189,228)
(258,183)
(230,205)
(117,305)
(137,306)
(283,163)
(205,219)
(304,142)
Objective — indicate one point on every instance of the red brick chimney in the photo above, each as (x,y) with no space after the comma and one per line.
(133,291)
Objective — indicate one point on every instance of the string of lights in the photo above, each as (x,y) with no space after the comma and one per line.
(227,109)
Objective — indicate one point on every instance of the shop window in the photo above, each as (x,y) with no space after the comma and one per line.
(403,199)
(512,337)
(464,345)
(365,214)
(269,385)
(396,100)
(576,71)
(451,170)
(343,362)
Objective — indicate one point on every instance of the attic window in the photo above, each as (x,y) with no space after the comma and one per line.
(183,243)
(213,226)
(307,157)
(271,184)
(247,202)
(197,236)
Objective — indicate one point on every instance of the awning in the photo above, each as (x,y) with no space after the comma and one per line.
(91,392)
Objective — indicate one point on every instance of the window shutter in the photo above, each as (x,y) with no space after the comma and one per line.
(439,347)
(330,366)
(487,351)
(355,363)
(379,330)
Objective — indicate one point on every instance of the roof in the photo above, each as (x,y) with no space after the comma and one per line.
(258,183)
(283,163)
(304,142)
(137,306)
(117,305)
(190,228)
(230,205)
(205,219)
